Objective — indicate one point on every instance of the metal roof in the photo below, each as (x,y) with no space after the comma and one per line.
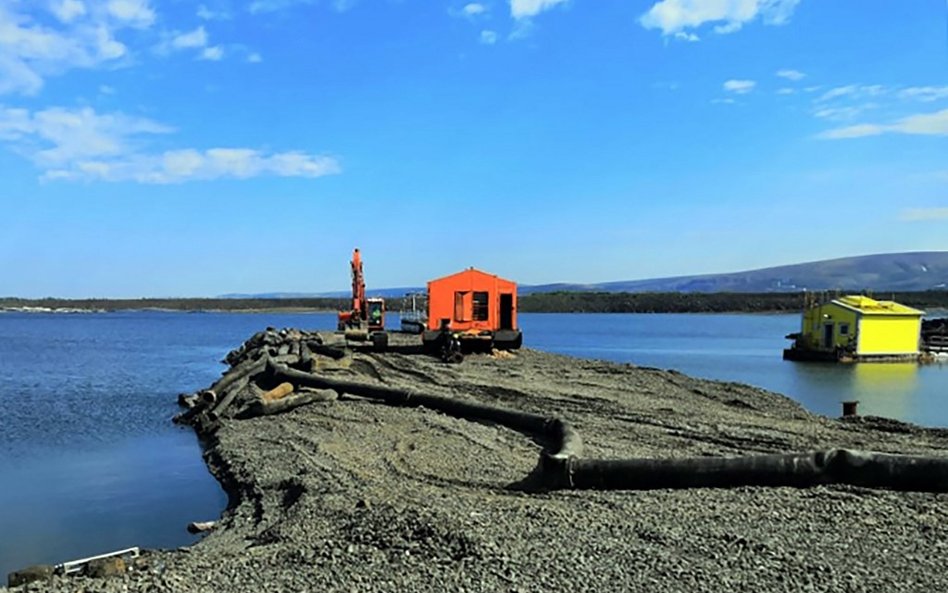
(870,306)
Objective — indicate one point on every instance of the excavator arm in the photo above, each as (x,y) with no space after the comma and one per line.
(358,286)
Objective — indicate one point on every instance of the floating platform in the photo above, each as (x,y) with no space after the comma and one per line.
(808,355)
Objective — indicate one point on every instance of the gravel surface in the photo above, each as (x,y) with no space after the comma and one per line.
(354,495)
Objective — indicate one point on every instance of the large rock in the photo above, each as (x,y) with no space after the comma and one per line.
(106,567)
(30,574)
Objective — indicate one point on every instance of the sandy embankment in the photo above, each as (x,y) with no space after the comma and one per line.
(354,495)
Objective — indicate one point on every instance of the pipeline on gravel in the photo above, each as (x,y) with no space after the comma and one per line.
(561,467)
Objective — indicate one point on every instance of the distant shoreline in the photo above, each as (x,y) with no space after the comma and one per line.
(553,302)
(197,305)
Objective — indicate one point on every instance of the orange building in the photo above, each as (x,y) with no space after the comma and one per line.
(476,304)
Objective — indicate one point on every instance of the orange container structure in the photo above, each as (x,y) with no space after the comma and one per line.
(476,305)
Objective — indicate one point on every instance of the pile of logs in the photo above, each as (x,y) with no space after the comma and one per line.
(246,389)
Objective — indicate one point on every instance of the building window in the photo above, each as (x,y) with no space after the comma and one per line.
(480,312)
(844,329)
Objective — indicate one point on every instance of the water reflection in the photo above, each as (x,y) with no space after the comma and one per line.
(885,389)
(746,348)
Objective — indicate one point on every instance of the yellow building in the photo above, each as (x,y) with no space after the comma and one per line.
(860,328)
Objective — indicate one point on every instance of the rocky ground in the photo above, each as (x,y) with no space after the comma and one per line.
(354,495)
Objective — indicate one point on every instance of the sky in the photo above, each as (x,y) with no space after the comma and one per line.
(172,148)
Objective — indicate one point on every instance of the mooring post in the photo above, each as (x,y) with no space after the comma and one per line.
(849,408)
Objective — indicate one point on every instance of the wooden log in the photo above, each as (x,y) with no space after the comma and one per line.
(187,400)
(217,412)
(331,352)
(230,384)
(188,416)
(306,355)
(522,421)
(235,374)
(279,392)
(268,408)
(201,526)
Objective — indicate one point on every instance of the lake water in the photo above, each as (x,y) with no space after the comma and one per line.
(90,462)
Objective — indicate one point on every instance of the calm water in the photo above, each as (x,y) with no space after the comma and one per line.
(90,462)
(746,348)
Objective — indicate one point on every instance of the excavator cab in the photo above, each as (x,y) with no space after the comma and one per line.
(376,314)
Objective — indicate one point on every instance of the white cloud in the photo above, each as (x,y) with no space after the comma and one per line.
(843,112)
(856,131)
(740,87)
(57,136)
(929,124)
(473,9)
(786,91)
(82,145)
(67,10)
(673,16)
(522,29)
(17,77)
(725,101)
(106,46)
(853,91)
(925,93)
(521,9)
(727,28)
(207,14)
(213,54)
(682,36)
(191,39)
(136,13)
(793,75)
(924,124)
(840,91)
(254,58)
(923,214)
(80,35)
(488,37)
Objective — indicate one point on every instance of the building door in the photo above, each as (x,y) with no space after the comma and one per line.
(506,311)
(828,335)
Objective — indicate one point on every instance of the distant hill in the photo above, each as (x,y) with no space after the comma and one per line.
(887,272)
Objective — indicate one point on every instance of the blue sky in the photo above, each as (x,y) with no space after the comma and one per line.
(178,148)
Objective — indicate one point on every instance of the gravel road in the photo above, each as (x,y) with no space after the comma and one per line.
(354,495)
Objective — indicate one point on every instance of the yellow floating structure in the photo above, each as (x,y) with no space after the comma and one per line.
(857,328)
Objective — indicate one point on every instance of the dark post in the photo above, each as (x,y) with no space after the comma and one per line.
(849,408)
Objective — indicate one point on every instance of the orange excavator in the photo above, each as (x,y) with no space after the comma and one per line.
(366,319)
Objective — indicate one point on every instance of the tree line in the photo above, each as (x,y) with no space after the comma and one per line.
(182,304)
(697,302)
(550,302)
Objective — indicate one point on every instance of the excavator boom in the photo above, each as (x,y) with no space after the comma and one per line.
(358,285)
